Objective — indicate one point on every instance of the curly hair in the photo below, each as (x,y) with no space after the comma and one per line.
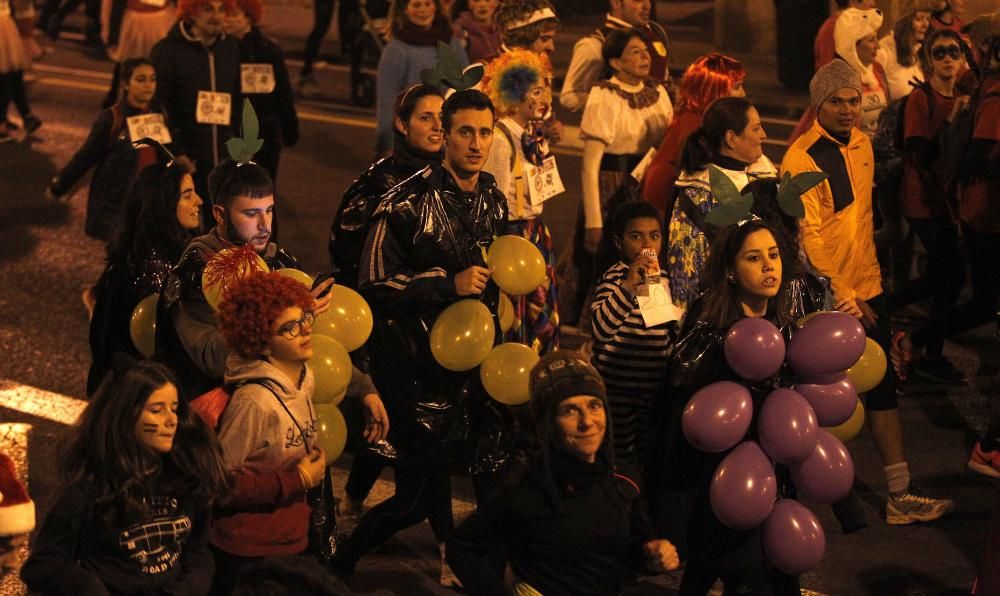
(708,78)
(511,11)
(509,77)
(254,9)
(186,9)
(251,306)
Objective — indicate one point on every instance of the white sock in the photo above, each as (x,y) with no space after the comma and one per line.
(898,478)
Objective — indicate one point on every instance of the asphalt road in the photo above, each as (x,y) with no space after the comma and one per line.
(46,261)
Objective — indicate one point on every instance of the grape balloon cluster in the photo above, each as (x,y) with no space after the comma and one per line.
(802,426)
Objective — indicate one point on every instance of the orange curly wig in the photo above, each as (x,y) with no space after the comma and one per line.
(187,8)
(251,306)
(707,79)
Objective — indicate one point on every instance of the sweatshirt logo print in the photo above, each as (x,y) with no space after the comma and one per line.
(156,545)
(293,438)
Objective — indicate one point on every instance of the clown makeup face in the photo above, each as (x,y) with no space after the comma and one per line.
(537,103)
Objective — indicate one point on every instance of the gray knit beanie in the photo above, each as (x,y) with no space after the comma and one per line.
(832,78)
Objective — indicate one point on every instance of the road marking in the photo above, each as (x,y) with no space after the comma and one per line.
(40,403)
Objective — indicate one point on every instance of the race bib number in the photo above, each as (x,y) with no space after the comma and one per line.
(655,304)
(543,181)
(214,108)
(257,78)
(148,125)
(156,3)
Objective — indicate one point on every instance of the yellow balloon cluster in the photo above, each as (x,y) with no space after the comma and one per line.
(349,319)
(868,371)
(331,431)
(462,335)
(516,265)
(505,373)
(142,326)
(850,429)
(332,368)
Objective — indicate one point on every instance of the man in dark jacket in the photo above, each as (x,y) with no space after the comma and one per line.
(198,84)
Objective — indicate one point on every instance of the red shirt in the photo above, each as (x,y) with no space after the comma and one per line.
(824,48)
(923,192)
(981,198)
(658,183)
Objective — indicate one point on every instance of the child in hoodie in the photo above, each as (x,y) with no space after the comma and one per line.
(478,32)
(268,430)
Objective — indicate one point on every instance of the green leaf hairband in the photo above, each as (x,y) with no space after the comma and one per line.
(242,149)
(448,71)
(735,209)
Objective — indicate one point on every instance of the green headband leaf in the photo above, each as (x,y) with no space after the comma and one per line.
(732,207)
(449,73)
(242,149)
(792,188)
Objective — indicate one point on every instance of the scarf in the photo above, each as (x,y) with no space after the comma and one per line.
(440,30)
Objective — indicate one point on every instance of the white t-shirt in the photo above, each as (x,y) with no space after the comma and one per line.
(897,75)
(627,119)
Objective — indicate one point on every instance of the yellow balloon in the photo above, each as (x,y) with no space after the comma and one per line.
(505,313)
(142,326)
(299,276)
(505,373)
(462,335)
(331,431)
(213,292)
(868,371)
(349,319)
(331,366)
(850,429)
(516,264)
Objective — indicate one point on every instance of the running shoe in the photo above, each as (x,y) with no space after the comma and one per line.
(985,462)
(913,506)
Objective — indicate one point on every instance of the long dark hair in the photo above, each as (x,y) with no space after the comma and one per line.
(902,33)
(721,305)
(705,143)
(105,454)
(149,221)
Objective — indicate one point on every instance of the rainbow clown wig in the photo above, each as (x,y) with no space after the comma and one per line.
(707,79)
(509,77)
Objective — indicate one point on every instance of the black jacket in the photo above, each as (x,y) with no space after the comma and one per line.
(424,232)
(279,123)
(109,148)
(184,66)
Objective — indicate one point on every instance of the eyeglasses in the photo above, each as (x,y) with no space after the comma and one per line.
(293,329)
(952,52)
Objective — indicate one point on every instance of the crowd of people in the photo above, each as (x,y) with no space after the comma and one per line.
(593,481)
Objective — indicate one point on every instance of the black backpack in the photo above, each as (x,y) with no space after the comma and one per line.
(888,141)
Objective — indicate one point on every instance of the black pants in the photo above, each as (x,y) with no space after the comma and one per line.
(944,276)
(984,267)
(322,17)
(418,496)
(12,88)
(92,9)
(883,396)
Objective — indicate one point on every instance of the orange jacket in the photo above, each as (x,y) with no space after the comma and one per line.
(838,232)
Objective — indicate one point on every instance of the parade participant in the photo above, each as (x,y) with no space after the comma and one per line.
(625,117)
(518,84)
(838,238)
(187,336)
(160,218)
(478,31)
(140,475)
(527,25)
(424,253)
(265,82)
(574,521)
(587,65)
(322,17)
(899,51)
(856,42)
(110,151)
(268,429)
(416,27)
(707,79)
(17,516)
(949,16)
(929,209)
(629,350)
(417,143)
(198,84)
(13,61)
(134,27)
(824,47)
(730,138)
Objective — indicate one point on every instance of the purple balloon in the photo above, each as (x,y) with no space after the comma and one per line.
(754,348)
(787,427)
(830,342)
(717,416)
(794,540)
(743,488)
(827,474)
(833,402)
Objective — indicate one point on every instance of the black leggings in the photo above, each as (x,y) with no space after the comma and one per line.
(12,88)
(984,267)
(945,275)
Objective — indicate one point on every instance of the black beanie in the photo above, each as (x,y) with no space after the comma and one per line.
(557,376)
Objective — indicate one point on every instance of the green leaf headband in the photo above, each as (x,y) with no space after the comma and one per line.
(242,150)
(449,73)
(734,209)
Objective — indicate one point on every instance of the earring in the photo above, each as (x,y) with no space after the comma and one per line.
(731,278)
